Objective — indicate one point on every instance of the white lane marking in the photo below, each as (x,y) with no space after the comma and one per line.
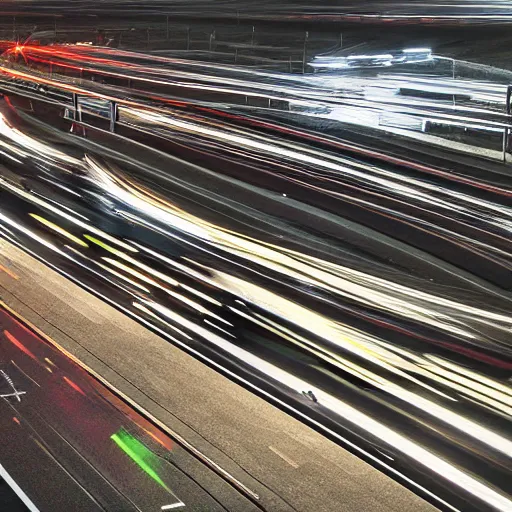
(174,505)
(28,376)
(17,489)
(292,463)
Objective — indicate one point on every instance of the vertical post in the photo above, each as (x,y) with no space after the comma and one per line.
(167,28)
(304,52)
(505,144)
(113,116)
(188,38)
(453,78)
(252,37)
(78,114)
(506,132)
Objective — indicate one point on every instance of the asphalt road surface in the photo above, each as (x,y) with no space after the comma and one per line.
(9,500)
(290,466)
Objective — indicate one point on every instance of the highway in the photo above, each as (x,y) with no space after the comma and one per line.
(276,236)
(290,466)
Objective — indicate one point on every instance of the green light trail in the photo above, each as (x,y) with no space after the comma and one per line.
(141,455)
